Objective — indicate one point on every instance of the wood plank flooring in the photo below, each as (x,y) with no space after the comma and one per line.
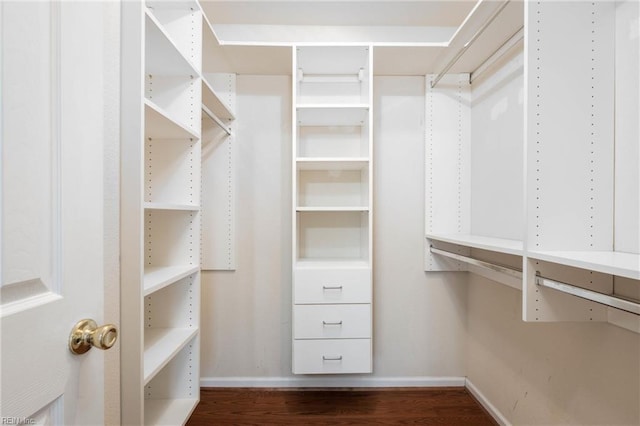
(390,406)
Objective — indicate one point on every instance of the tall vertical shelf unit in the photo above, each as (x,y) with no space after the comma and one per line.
(568,169)
(332,209)
(583,206)
(165,96)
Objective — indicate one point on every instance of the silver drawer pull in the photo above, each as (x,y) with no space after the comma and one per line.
(332,287)
(332,358)
(332,323)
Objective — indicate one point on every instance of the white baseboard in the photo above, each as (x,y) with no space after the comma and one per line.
(493,411)
(330,382)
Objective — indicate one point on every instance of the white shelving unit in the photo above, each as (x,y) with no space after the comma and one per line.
(332,211)
(161,201)
(583,210)
(581,256)
(473,152)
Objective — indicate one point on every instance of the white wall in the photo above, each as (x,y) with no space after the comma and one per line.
(246,314)
(497,143)
(549,373)
(419,319)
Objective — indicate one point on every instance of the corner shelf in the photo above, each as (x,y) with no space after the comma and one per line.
(498,245)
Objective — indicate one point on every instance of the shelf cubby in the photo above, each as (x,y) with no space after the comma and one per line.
(171,322)
(172,172)
(172,238)
(176,96)
(327,75)
(333,235)
(162,55)
(334,187)
(173,393)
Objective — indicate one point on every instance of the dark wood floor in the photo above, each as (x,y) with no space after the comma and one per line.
(406,406)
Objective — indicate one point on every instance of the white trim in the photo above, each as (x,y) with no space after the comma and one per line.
(493,411)
(330,382)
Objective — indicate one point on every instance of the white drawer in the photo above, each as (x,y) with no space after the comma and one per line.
(332,356)
(332,286)
(331,321)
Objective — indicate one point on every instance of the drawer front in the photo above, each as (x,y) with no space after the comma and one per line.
(332,356)
(332,286)
(332,321)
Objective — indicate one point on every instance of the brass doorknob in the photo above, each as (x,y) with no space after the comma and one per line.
(86,334)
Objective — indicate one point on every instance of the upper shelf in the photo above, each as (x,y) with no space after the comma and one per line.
(162,55)
(608,262)
(499,245)
(322,60)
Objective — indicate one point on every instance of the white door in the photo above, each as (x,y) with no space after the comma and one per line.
(59,226)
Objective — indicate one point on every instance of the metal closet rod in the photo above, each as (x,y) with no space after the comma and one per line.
(501,51)
(219,122)
(481,263)
(468,44)
(617,302)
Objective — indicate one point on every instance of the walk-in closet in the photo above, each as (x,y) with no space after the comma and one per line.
(317,211)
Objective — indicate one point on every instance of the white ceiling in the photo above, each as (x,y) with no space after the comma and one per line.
(416,32)
(334,13)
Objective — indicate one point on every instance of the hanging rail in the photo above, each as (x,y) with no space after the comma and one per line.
(219,122)
(481,263)
(506,46)
(468,44)
(617,302)
(331,78)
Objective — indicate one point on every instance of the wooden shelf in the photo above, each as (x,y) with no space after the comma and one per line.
(159,124)
(162,55)
(499,245)
(332,114)
(332,163)
(158,277)
(608,262)
(169,206)
(168,411)
(161,345)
